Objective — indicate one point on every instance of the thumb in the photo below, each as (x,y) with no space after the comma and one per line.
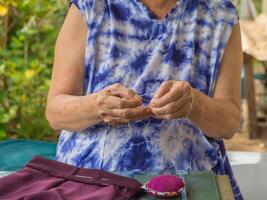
(163,89)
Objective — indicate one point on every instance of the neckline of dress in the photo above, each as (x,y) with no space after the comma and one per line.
(170,14)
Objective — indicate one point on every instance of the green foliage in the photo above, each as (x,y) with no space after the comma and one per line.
(25,67)
(258,5)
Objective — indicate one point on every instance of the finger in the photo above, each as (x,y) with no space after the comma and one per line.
(117,102)
(172,107)
(115,121)
(179,114)
(175,92)
(163,89)
(123,92)
(131,113)
(155,116)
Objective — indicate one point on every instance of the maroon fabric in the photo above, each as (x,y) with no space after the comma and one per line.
(45,179)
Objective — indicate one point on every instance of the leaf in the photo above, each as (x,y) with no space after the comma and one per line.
(4,118)
(3,134)
(13,111)
(2,69)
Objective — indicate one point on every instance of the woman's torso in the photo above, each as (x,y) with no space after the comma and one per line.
(127,45)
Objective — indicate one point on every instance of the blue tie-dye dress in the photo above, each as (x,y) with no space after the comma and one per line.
(127,44)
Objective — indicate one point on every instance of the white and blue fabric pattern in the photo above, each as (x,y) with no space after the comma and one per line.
(127,44)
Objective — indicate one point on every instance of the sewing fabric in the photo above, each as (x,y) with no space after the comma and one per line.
(44,179)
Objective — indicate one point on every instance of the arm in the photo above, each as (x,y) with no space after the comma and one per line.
(220,116)
(217,116)
(66,107)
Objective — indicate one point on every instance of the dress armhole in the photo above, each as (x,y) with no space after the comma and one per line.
(227,17)
(75,2)
(85,7)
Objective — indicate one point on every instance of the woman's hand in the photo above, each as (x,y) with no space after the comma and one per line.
(117,104)
(172,100)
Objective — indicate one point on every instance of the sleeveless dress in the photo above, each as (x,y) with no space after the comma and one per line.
(127,44)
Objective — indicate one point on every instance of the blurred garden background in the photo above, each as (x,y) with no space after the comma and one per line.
(28,30)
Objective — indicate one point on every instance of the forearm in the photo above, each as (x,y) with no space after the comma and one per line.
(218,118)
(73,113)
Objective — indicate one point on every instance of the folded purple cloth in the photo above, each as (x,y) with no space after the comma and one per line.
(44,179)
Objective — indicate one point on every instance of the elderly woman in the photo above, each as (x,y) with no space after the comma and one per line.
(140,85)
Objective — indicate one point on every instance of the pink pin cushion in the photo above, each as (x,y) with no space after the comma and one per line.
(164,186)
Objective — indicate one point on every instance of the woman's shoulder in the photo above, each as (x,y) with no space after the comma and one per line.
(224,4)
(219,11)
(219,5)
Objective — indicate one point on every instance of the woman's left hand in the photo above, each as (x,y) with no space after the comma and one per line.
(172,100)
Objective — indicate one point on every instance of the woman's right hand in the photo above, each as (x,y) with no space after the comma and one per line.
(117,104)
